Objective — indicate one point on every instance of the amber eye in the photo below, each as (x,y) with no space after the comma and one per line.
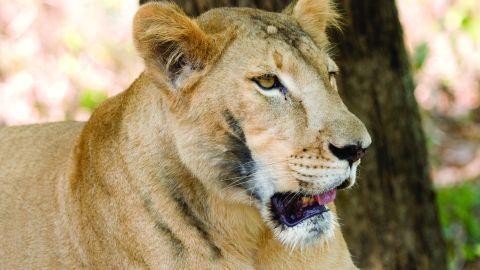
(332,74)
(268,82)
(332,77)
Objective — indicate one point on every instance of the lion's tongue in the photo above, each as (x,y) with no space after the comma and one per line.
(326,197)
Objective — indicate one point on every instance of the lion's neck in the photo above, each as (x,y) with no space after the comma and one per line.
(131,188)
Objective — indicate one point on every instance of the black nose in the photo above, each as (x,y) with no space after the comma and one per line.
(351,153)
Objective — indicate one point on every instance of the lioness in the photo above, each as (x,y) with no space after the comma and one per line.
(226,153)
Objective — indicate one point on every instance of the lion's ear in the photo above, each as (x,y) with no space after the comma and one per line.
(170,41)
(314,16)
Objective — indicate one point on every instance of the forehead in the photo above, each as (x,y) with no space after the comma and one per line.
(268,28)
(279,27)
(282,29)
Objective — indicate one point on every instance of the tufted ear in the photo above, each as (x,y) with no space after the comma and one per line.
(314,16)
(171,42)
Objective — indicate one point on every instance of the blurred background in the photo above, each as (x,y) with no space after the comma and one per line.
(60,59)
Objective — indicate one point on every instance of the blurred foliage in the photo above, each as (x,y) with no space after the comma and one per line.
(459,211)
(463,15)
(443,38)
(419,56)
(90,99)
(56,55)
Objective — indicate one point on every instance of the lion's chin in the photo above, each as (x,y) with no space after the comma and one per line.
(312,230)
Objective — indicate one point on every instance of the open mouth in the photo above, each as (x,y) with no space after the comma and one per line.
(290,208)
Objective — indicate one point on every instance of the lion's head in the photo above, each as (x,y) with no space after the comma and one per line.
(252,103)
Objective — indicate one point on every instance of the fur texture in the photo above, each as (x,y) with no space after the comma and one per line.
(177,171)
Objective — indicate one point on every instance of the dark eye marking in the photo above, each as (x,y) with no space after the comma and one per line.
(332,73)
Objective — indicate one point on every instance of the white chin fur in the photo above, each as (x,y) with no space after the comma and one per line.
(315,229)
(319,228)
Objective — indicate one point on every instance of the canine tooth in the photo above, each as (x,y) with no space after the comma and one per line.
(305,201)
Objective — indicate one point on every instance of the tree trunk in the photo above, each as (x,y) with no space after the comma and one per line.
(390,218)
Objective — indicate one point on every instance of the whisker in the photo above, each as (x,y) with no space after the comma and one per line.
(293,197)
(238,179)
(240,182)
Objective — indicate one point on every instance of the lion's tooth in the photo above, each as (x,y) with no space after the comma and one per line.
(305,201)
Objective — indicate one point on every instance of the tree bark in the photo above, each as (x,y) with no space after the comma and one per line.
(390,218)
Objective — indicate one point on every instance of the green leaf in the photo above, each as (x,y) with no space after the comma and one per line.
(459,208)
(90,98)
(420,55)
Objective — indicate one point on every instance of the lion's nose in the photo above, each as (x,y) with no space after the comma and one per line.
(350,153)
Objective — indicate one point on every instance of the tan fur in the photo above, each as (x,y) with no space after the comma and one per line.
(314,17)
(149,182)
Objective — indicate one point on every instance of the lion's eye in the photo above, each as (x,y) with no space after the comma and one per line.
(270,85)
(332,74)
(268,82)
(331,77)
